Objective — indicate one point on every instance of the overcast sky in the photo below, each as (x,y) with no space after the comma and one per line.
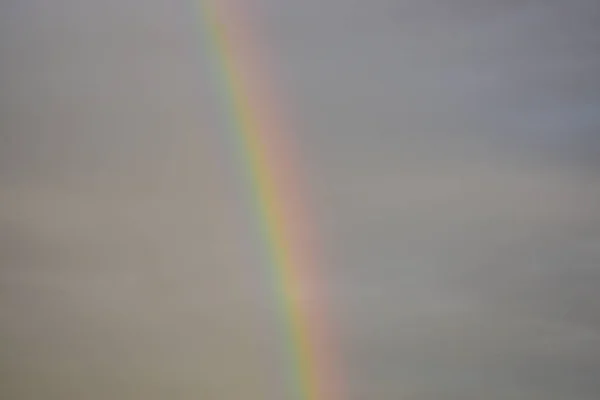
(452,150)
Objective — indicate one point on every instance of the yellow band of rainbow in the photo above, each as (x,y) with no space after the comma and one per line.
(266,154)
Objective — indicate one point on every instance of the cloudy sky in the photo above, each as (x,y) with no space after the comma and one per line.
(452,150)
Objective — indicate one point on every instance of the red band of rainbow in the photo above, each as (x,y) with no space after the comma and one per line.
(266,152)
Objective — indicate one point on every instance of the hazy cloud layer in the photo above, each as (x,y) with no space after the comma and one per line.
(452,149)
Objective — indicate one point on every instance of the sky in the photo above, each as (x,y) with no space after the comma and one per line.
(452,156)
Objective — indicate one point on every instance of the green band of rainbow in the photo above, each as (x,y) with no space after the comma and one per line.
(276,194)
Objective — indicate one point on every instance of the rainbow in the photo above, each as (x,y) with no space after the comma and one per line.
(264,147)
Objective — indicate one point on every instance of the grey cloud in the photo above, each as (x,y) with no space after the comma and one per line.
(452,152)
